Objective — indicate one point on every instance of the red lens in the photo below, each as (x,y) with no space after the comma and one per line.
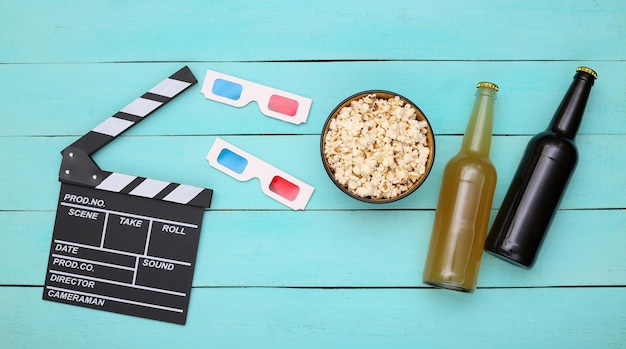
(284,188)
(283,105)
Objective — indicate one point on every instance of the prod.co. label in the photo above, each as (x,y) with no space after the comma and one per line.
(72,264)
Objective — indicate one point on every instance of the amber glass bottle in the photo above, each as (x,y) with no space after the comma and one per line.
(538,185)
(465,198)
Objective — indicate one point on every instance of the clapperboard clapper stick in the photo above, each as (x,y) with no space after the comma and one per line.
(124,243)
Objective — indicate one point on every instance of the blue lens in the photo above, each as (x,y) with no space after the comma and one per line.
(231,160)
(227,89)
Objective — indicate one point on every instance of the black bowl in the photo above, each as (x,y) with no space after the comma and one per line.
(381,94)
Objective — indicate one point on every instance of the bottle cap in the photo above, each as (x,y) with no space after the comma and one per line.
(588,71)
(486,84)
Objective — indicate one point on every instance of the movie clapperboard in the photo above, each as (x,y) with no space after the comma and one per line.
(124,243)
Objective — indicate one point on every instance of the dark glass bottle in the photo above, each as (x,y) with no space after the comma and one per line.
(536,190)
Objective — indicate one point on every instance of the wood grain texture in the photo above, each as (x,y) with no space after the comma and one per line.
(373,248)
(341,274)
(346,318)
(182,159)
(101,31)
(529,95)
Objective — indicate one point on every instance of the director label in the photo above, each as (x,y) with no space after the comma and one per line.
(74,281)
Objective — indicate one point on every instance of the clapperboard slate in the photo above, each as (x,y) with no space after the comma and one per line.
(123,243)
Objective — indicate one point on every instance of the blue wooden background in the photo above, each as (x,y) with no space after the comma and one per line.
(341,274)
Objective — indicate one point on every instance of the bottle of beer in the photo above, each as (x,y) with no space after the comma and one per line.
(465,198)
(540,181)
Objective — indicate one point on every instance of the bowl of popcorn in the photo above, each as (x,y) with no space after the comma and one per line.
(377,146)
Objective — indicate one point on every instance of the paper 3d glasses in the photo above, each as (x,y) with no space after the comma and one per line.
(275,183)
(238,92)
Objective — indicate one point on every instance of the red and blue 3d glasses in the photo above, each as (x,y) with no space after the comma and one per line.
(275,183)
(238,92)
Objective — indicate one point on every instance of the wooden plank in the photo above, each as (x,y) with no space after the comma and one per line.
(323,30)
(345,249)
(34,163)
(332,318)
(71,99)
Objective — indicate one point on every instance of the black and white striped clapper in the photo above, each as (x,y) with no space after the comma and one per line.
(124,243)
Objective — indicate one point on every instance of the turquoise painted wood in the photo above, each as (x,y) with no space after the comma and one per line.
(529,94)
(101,31)
(336,249)
(342,273)
(336,318)
(182,159)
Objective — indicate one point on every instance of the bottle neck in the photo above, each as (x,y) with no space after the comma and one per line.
(568,116)
(477,138)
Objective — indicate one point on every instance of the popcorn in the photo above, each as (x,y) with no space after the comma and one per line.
(377,148)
